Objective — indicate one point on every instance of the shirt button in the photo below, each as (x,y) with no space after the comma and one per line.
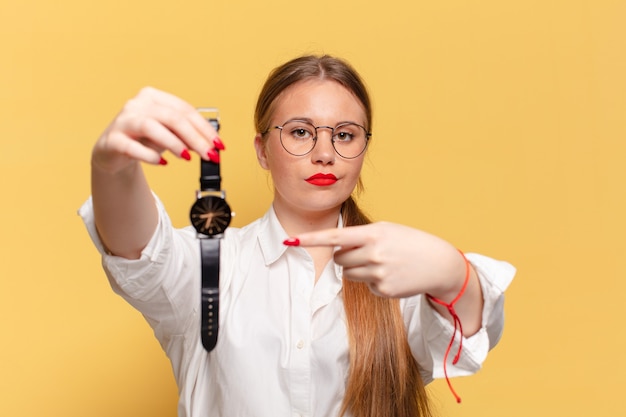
(300,344)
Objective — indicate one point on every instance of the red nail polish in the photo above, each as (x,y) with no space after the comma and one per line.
(214,156)
(218,143)
(292,241)
(162,162)
(185,155)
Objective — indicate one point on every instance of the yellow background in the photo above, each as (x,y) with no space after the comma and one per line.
(499,125)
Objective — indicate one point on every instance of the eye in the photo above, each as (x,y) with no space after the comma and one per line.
(347,133)
(343,137)
(299,131)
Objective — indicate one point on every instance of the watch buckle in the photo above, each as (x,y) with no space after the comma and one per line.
(201,194)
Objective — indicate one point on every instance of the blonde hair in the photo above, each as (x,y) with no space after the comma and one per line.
(384,377)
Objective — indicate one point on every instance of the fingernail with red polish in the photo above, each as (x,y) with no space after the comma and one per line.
(292,241)
(185,155)
(218,143)
(213,156)
(162,162)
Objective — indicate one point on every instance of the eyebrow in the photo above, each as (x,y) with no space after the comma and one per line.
(309,120)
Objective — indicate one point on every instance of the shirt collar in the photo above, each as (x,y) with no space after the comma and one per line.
(272,235)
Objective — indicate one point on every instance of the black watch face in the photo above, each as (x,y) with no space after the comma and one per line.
(210,215)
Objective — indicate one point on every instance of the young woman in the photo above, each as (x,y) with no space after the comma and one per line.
(322,313)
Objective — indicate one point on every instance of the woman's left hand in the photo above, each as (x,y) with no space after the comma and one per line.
(394,260)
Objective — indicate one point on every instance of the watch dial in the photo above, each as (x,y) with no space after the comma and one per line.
(210,215)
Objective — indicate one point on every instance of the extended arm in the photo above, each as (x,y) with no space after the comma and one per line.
(400,261)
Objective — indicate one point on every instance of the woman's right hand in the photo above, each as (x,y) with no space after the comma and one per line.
(149,124)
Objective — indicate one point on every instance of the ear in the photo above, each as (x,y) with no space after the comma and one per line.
(261,151)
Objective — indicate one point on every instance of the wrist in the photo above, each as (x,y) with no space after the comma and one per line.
(451,276)
(113,166)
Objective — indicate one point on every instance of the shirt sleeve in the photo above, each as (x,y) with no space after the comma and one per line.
(429,333)
(160,284)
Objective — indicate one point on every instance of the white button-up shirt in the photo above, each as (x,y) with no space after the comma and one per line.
(283,347)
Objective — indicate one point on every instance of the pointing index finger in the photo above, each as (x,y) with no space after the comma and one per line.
(346,237)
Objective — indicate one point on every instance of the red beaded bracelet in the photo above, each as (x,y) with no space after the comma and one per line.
(457,325)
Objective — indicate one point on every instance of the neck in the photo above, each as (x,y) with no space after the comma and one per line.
(297,221)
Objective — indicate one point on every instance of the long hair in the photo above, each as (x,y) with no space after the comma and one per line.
(384,377)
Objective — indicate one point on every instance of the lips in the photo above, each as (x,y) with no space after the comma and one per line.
(321,180)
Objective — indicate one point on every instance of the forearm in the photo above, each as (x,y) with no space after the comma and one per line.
(124,209)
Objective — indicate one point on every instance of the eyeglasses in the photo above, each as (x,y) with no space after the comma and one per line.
(299,137)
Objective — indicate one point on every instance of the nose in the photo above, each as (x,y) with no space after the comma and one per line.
(323,151)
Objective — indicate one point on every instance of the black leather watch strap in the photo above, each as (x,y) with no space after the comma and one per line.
(210,179)
(210,304)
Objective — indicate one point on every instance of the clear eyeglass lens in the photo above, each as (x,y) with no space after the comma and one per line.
(298,138)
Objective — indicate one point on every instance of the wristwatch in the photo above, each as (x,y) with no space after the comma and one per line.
(210,215)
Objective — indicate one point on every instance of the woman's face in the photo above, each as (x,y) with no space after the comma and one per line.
(323,103)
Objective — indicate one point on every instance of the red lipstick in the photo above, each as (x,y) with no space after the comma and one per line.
(322,180)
